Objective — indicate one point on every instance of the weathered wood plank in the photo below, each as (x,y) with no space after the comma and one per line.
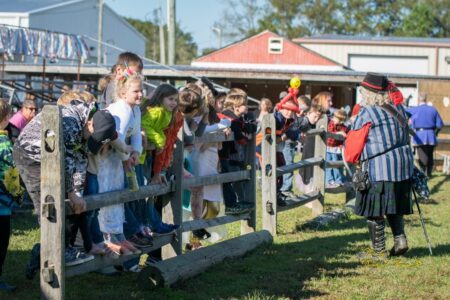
(202,223)
(268,175)
(335,136)
(317,131)
(334,164)
(249,225)
(213,137)
(173,212)
(216,179)
(302,200)
(101,262)
(320,149)
(52,275)
(168,272)
(298,165)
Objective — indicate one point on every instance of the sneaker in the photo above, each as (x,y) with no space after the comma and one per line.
(164,228)
(236,210)
(201,234)
(6,287)
(35,262)
(74,257)
(139,240)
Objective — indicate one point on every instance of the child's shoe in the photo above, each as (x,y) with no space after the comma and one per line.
(74,257)
(139,240)
(201,234)
(164,228)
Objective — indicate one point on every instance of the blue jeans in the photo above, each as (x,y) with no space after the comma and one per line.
(335,175)
(92,189)
(232,192)
(289,154)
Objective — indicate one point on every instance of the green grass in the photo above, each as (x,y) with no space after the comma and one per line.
(299,264)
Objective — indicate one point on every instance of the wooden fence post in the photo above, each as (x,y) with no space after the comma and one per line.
(172,213)
(269,175)
(52,275)
(320,150)
(249,225)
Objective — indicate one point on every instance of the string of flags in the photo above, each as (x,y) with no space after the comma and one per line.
(46,44)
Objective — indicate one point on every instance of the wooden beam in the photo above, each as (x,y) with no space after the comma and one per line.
(249,225)
(216,136)
(301,200)
(269,175)
(314,161)
(101,262)
(320,148)
(171,271)
(202,223)
(216,179)
(52,269)
(334,164)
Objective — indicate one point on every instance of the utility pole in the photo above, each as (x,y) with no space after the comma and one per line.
(218,30)
(100,32)
(171,30)
(162,42)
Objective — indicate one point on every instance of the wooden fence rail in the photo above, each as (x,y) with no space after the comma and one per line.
(318,162)
(54,205)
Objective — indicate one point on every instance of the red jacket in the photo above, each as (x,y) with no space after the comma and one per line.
(335,128)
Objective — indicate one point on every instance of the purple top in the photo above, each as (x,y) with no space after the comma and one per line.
(425,120)
(18,120)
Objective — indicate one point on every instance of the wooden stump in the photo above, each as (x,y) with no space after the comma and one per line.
(168,272)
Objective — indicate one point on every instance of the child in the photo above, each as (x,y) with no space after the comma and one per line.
(232,153)
(159,115)
(9,188)
(127,115)
(204,159)
(125,60)
(335,176)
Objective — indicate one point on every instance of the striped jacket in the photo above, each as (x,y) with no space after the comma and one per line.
(387,149)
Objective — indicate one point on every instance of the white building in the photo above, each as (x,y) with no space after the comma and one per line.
(75,17)
(392,55)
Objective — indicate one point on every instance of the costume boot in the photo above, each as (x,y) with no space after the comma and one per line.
(376,231)
(398,230)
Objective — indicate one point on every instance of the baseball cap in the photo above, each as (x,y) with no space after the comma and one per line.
(104,130)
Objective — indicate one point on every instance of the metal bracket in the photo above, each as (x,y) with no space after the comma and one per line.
(49,209)
(269,208)
(48,273)
(268,170)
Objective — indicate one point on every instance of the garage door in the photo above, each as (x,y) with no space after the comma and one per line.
(389,64)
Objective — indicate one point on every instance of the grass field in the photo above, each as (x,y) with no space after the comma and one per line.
(319,264)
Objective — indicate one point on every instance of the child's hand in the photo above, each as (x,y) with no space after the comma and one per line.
(77,203)
(159,179)
(134,158)
(227,131)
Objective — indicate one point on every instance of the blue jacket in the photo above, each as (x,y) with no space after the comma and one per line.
(425,120)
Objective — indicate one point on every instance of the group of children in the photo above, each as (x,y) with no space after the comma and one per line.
(137,150)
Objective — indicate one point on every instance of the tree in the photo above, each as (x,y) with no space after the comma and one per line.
(186,48)
(427,20)
(240,19)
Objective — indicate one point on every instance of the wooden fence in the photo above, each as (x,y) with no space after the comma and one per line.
(54,208)
(270,171)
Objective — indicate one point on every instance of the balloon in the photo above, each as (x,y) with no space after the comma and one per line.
(295,82)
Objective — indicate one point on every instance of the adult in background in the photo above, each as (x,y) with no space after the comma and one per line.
(389,163)
(426,122)
(325,101)
(21,119)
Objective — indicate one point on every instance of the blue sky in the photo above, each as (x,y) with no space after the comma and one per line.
(194,16)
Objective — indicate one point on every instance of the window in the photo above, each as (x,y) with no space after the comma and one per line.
(276,45)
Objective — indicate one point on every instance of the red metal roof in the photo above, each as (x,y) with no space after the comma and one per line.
(254,50)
